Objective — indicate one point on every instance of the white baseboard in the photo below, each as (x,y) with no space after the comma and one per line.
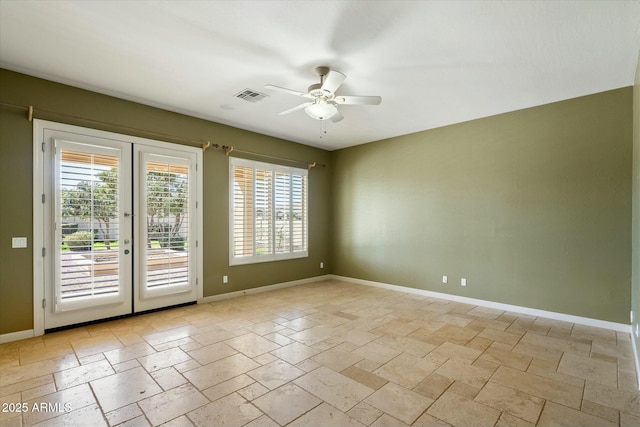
(16,336)
(261,289)
(620,327)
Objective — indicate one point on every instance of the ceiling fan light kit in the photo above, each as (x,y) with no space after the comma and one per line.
(323,104)
(321,110)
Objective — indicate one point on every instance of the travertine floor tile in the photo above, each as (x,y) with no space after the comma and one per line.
(98,344)
(251,345)
(558,415)
(364,413)
(123,414)
(296,402)
(82,374)
(163,359)
(589,369)
(541,387)
(121,389)
(219,371)
(364,377)
(377,352)
(211,353)
(229,411)
(227,387)
(56,404)
(337,360)
(172,403)
(326,353)
(456,351)
(338,390)
(295,352)
(399,402)
(622,400)
(507,358)
(514,402)
(83,417)
(406,370)
(460,411)
(124,354)
(275,374)
(327,416)
(458,370)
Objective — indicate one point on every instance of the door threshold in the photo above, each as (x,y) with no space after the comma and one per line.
(109,319)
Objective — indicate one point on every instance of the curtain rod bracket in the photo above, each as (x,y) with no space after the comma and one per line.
(30,113)
(311,165)
(205,146)
(227,149)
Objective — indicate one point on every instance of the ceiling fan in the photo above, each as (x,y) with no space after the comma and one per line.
(323,99)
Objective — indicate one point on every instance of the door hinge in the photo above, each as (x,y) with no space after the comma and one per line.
(196,243)
(44,303)
(43,198)
(196,204)
(43,252)
(196,281)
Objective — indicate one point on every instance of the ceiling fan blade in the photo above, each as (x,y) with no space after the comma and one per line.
(358,100)
(296,108)
(289,91)
(337,117)
(332,81)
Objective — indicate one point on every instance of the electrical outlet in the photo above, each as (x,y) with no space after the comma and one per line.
(322,265)
(225,279)
(445,279)
(463,282)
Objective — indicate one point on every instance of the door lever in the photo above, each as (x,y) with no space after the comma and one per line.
(127,215)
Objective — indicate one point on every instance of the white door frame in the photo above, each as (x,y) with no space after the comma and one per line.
(42,248)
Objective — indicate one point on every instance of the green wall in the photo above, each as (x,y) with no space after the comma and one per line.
(16,183)
(635,277)
(532,207)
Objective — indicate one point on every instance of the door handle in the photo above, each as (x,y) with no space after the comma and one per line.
(128,214)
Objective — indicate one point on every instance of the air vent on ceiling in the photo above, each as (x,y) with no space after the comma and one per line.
(251,95)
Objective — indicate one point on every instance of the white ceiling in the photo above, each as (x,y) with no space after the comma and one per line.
(433,63)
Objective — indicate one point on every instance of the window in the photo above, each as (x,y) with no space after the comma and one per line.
(268,212)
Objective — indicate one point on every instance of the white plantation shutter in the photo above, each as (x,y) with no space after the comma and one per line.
(167,204)
(268,211)
(88,271)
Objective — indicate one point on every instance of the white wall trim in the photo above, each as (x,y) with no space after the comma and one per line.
(261,289)
(16,336)
(620,327)
(635,358)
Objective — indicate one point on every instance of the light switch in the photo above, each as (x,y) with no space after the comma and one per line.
(18,242)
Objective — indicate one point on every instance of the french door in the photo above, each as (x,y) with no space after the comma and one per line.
(119,225)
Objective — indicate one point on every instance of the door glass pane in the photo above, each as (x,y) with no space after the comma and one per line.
(167,214)
(87,229)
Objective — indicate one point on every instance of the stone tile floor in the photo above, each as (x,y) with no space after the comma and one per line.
(324,354)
